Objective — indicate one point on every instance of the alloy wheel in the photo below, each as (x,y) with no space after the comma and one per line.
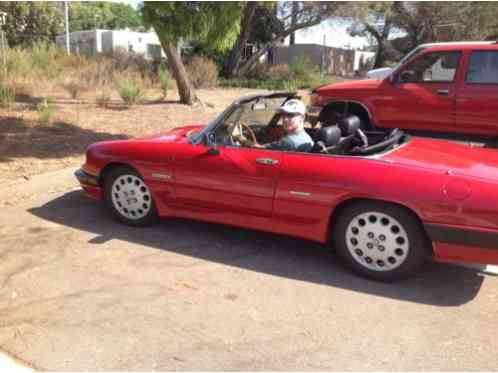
(377,241)
(131,197)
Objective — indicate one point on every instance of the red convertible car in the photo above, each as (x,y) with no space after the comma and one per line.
(384,200)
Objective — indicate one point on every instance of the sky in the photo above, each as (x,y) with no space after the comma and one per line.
(335,35)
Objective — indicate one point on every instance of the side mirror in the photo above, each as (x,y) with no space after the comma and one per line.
(211,139)
(407,76)
(211,142)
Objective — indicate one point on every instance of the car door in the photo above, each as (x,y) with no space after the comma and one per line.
(421,95)
(229,184)
(477,98)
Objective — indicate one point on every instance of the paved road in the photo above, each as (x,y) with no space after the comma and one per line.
(81,292)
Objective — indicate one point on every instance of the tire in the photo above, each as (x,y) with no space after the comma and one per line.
(129,198)
(380,241)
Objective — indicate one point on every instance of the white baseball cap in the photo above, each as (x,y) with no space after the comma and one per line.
(293,106)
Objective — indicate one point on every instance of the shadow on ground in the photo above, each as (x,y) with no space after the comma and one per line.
(20,138)
(438,284)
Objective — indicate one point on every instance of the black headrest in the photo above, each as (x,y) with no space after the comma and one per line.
(330,135)
(349,124)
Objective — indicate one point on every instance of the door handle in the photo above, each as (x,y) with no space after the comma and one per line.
(267,161)
(443,92)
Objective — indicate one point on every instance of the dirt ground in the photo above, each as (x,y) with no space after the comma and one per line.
(28,148)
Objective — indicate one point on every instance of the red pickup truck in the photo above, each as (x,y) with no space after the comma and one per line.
(444,87)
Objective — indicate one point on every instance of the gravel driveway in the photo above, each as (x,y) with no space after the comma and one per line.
(79,291)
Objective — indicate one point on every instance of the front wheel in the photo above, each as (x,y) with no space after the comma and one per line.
(129,198)
(380,241)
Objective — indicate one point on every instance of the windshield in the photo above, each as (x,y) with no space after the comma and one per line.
(196,137)
(411,54)
(271,102)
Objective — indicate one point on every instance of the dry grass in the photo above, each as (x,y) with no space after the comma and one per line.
(28,147)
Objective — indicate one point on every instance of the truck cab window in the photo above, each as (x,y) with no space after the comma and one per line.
(483,68)
(438,67)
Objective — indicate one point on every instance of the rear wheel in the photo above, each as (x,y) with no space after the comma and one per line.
(380,241)
(129,198)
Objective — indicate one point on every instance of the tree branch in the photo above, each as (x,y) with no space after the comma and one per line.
(246,66)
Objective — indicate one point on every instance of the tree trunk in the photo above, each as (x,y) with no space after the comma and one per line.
(185,89)
(248,64)
(233,62)
(379,56)
(295,5)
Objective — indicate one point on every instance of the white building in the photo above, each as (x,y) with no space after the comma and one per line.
(97,41)
(363,60)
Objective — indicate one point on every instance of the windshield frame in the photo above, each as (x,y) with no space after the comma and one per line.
(198,137)
(414,52)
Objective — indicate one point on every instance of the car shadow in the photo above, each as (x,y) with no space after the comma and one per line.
(52,141)
(438,284)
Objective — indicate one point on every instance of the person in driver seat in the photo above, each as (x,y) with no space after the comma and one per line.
(296,138)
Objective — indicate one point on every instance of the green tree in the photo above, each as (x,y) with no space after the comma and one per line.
(30,22)
(375,20)
(441,21)
(214,25)
(258,25)
(103,15)
(291,18)
(421,22)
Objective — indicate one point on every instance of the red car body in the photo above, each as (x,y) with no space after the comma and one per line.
(451,188)
(465,102)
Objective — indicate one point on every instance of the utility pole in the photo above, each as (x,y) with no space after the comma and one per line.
(322,64)
(66,14)
(3,42)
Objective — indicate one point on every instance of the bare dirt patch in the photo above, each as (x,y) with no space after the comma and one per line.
(28,147)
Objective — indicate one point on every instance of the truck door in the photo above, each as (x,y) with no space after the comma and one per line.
(421,95)
(477,98)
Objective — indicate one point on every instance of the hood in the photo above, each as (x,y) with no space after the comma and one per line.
(177,134)
(380,73)
(350,85)
(447,157)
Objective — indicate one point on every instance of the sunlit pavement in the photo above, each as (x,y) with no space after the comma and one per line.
(80,292)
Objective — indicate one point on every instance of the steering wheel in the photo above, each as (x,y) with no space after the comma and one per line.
(241,127)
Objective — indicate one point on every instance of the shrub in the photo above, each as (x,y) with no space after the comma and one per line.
(43,58)
(18,63)
(130,92)
(258,72)
(164,80)
(120,60)
(45,111)
(279,72)
(75,86)
(7,96)
(103,99)
(202,72)
(304,72)
(290,85)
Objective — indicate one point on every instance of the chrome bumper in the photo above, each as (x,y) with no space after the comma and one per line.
(86,178)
